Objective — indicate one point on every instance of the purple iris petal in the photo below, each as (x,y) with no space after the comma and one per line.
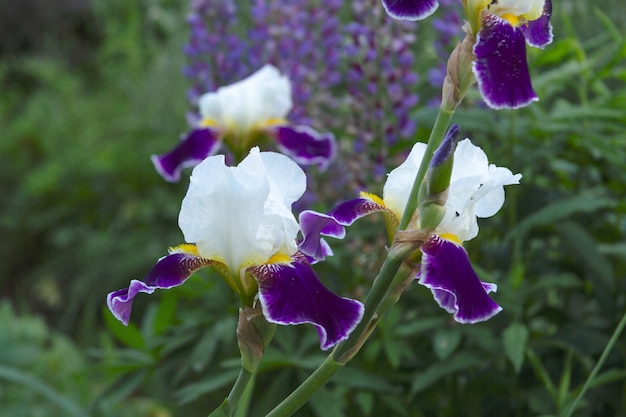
(304,145)
(410,9)
(314,224)
(291,293)
(170,271)
(447,271)
(538,33)
(193,149)
(500,68)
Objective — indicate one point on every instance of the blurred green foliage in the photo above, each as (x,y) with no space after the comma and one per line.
(84,212)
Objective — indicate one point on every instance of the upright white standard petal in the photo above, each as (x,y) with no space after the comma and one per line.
(242,215)
(400,180)
(248,104)
(476,188)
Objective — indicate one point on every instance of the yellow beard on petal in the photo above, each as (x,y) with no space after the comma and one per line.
(376,199)
(279,258)
(277,121)
(208,123)
(451,238)
(512,19)
(188,248)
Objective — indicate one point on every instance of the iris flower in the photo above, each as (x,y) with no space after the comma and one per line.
(242,114)
(476,190)
(238,221)
(501,30)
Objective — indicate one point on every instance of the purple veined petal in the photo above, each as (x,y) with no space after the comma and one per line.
(291,293)
(447,271)
(500,67)
(193,149)
(314,225)
(170,271)
(305,145)
(410,9)
(538,32)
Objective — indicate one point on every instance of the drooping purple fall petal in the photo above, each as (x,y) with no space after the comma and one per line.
(305,145)
(538,32)
(447,271)
(314,225)
(170,271)
(500,67)
(192,149)
(291,293)
(410,9)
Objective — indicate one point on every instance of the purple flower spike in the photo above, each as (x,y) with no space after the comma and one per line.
(193,149)
(170,271)
(410,9)
(500,68)
(305,145)
(291,293)
(447,271)
(538,32)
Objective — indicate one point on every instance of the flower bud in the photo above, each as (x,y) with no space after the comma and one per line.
(254,333)
(459,74)
(433,192)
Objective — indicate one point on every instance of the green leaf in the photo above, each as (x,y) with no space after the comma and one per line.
(128,335)
(17,376)
(460,361)
(562,209)
(365,401)
(325,404)
(514,340)
(586,248)
(165,312)
(209,384)
(445,341)
(222,410)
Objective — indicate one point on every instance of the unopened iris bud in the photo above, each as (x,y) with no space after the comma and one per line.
(433,192)
(254,334)
(459,73)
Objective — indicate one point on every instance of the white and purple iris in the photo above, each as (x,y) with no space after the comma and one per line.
(238,221)
(239,115)
(476,190)
(502,29)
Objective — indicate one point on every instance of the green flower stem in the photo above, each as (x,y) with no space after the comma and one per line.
(596,369)
(238,389)
(305,391)
(382,284)
(436,136)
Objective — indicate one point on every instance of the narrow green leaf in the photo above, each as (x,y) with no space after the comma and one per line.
(445,341)
(128,335)
(514,340)
(17,376)
(165,312)
(586,248)
(432,374)
(222,410)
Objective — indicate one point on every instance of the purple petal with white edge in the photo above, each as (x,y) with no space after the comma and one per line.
(447,271)
(500,67)
(313,225)
(192,149)
(305,145)
(291,293)
(410,9)
(538,32)
(170,271)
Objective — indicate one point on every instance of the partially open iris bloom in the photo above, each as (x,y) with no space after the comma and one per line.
(476,190)
(240,115)
(238,221)
(501,30)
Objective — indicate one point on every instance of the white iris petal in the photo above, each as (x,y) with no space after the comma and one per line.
(249,103)
(242,215)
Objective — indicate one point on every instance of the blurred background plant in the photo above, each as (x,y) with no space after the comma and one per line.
(91,89)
